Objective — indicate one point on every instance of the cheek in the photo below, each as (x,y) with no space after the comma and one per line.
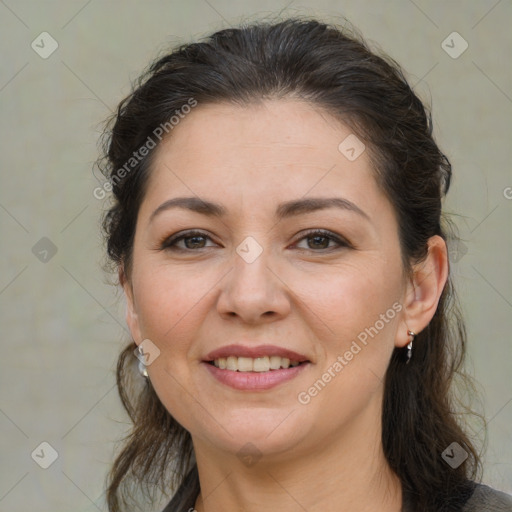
(349,300)
(169,300)
(359,312)
(358,308)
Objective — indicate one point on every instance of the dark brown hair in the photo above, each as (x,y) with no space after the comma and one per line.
(335,70)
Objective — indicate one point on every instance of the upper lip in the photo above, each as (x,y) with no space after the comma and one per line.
(254,352)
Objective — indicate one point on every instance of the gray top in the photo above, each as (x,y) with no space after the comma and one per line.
(486,499)
(483,498)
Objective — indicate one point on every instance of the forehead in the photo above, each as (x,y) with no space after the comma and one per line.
(292,129)
(260,154)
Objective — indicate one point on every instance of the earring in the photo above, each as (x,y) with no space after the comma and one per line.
(142,366)
(409,346)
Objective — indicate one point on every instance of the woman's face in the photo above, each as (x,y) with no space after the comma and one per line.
(253,289)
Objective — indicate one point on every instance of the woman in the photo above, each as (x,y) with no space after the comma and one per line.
(277,231)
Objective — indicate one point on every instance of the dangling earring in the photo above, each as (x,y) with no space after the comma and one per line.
(142,367)
(409,346)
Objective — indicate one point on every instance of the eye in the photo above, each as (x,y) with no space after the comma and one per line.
(192,240)
(320,240)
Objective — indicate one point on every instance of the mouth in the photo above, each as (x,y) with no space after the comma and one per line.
(254,368)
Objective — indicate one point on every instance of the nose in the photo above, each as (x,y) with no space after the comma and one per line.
(253,291)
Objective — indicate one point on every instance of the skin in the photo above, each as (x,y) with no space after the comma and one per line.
(327,454)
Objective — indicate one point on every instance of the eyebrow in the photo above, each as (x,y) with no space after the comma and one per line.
(283,211)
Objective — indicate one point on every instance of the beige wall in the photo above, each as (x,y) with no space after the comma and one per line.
(62,324)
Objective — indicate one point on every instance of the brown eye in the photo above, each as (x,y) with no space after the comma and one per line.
(317,240)
(320,240)
(192,240)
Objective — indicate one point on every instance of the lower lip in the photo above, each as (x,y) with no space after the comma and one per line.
(253,381)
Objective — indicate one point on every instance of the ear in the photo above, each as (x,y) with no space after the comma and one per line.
(424,290)
(132,318)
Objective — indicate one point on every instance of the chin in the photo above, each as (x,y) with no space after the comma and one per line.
(255,430)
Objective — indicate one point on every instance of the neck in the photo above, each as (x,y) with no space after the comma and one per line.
(348,472)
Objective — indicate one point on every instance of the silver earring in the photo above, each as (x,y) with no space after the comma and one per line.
(409,346)
(142,367)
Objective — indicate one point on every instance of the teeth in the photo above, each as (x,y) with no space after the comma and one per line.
(258,364)
(244,364)
(261,364)
(275,362)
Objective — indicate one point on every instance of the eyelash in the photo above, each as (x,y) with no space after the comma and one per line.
(170,242)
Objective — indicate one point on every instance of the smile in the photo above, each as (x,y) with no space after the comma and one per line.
(252,367)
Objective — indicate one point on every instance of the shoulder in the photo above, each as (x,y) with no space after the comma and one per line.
(487,499)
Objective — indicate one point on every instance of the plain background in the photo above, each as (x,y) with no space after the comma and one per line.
(63,324)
